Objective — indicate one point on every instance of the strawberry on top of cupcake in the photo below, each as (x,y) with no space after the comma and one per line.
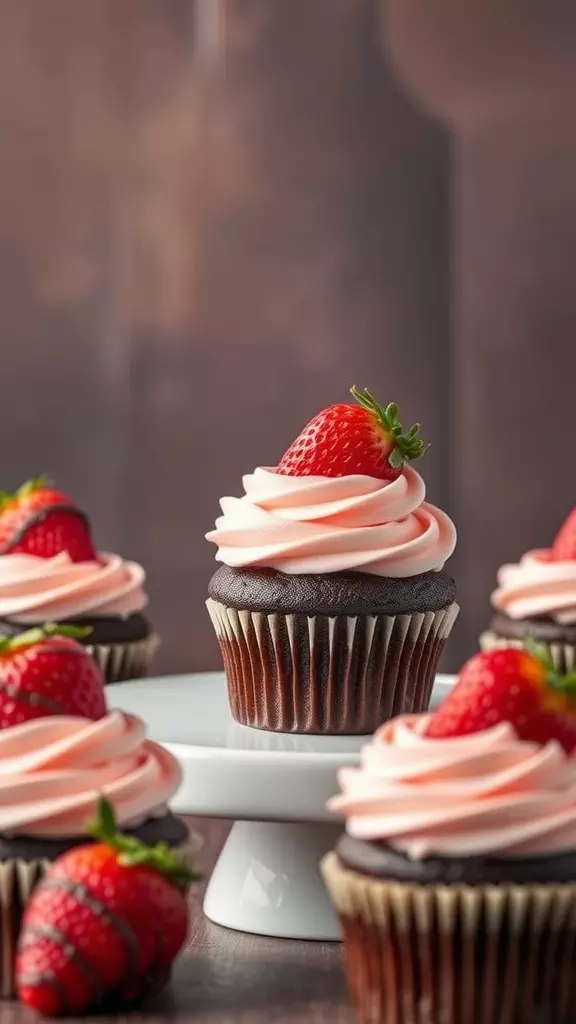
(39,519)
(536,597)
(331,606)
(366,439)
(45,671)
(342,498)
(51,570)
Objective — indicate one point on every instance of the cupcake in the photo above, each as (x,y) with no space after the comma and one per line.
(455,880)
(50,571)
(60,751)
(536,599)
(331,606)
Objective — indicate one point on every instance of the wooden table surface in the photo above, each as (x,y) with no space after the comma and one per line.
(225,977)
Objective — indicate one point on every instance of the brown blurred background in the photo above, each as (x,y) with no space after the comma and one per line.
(216,215)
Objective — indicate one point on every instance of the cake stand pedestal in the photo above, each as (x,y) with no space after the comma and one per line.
(273,785)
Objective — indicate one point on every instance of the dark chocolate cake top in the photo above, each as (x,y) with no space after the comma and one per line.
(167,829)
(339,593)
(543,629)
(380,861)
(106,629)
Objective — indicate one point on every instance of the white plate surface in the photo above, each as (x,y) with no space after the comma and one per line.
(229,770)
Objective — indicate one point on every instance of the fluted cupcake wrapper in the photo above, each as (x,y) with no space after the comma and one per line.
(328,674)
(418,954)
(563,655)
(119,662)
(17,880)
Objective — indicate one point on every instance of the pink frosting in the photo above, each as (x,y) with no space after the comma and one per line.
(317,524)
(486,793)
(537,586)
(36,589)
(53,769)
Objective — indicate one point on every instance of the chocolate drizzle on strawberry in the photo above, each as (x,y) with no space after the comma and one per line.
(38,517)
(87,899)
(34,700)
(71,952)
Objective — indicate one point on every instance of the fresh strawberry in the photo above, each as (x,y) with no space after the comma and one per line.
(512,685)
(47,672)
(104,925)
(40,520)
(348,439)
(564,547)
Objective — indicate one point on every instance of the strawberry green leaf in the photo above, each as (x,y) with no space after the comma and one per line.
(132,852)
(38,483)
(405,446)
(25,490)
(40,633)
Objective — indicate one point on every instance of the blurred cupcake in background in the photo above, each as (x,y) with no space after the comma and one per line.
(60,748)
(455,879)
(332,607)
(536,598)
(51,571)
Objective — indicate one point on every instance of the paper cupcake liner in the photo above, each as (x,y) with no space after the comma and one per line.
(188,851)
(17,880)
(563,655)
(419,954)
(328,674)
(119,662)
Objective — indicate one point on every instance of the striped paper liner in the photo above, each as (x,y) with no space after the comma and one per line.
(328,674)
(438,954)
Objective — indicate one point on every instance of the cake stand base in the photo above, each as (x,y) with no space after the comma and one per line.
(267,881)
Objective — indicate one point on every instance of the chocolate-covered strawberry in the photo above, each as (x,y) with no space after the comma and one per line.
(46,671)
(513,685)
(365,439)
(104,925)
(40,520)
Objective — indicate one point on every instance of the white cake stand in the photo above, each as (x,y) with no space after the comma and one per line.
(273,785)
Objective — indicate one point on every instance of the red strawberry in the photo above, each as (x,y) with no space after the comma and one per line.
(564,547)
(510,685)
(347,439)
(47,672)
(40,520)
(104,924)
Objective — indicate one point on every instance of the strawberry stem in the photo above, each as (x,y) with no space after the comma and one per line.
(39,633)
(405,446)
(36,484)
(564,684)
(132,851)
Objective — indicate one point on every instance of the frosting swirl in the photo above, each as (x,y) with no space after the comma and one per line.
(53,769)
(483,794)
(34,589)
(537,585)
(316,524)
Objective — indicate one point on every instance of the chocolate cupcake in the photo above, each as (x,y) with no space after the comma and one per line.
(455,882)
(51,572)
(536,599)
(45,809)
(331,607)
